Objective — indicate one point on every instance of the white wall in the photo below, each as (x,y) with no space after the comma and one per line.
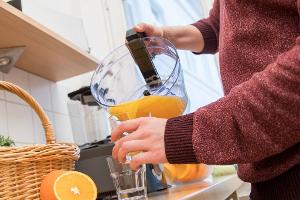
(95,25)
(82,22)
(61,16)
(207,4)
(104,24)
(18,120)
(105,27)
(67,7)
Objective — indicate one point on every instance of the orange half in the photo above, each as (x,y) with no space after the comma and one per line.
(67,185)
(76,186)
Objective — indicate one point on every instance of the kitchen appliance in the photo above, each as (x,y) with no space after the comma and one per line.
(92,162)
(88,120)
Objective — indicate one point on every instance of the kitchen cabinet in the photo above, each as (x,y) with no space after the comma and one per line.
(46,54)
(105,25)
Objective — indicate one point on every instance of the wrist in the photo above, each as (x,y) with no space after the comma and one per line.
(167,34)
(178,140)
(164,33)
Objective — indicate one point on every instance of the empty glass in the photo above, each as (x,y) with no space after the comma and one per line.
(129,184)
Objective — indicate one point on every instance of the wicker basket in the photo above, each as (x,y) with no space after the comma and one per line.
(23,168)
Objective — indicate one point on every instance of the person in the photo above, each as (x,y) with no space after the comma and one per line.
(257,123)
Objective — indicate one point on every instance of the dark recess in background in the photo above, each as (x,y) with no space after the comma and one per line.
(16,3)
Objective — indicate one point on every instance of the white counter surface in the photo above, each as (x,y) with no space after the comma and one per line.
(210,189)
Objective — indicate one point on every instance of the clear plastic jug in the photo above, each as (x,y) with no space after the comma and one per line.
(119,86)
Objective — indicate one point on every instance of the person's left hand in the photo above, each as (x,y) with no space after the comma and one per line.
(146,136)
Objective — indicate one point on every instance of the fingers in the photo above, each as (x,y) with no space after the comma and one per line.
(147,136)
(119,143)
(131,147)
(141,158)
(143,27)
(127,126)
(139,28)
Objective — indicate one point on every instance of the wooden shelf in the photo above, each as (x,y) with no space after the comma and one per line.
(46,54)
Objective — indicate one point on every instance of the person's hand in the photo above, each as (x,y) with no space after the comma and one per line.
(146,136)
(150,30)
(155,46)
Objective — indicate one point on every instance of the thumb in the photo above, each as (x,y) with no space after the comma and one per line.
(143,27)
(139,28)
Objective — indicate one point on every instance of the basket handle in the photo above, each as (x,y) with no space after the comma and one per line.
(50,137)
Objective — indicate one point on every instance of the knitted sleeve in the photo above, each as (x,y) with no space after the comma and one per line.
(209,28)
(257,119)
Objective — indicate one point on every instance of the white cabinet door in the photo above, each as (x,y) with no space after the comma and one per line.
(97,26)
(61,16)
(104,24)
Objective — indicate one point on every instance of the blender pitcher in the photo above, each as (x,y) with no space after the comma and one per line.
(141,78)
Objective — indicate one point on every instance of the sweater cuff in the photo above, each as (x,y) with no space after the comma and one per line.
(178,140)
(209,37)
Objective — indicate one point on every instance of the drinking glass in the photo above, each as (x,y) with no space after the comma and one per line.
(129,184)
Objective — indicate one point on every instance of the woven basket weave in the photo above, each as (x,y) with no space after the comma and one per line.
(23,168)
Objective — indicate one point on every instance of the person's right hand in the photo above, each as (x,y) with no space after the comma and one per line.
(150,30)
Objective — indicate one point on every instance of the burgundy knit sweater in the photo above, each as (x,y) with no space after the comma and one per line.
(257,123)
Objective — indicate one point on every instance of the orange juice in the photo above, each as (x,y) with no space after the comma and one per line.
(155,106)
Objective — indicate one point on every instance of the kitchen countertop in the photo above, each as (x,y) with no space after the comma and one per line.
(211,189)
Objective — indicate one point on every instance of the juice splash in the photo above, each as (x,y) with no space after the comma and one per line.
(156,106)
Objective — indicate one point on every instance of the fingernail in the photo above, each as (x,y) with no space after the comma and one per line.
(138,27)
